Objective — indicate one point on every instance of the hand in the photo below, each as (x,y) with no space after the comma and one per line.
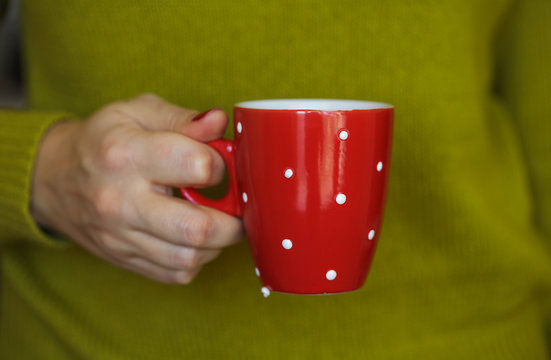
(107,184)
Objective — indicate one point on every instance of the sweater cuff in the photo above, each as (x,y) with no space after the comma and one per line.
(20,135)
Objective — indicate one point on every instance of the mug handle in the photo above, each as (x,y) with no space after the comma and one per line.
(230,202)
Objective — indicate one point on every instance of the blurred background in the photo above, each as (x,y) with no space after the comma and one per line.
(11,91)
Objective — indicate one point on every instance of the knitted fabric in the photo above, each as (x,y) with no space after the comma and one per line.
(463,265)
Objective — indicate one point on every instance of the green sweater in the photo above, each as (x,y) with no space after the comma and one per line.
(463,268)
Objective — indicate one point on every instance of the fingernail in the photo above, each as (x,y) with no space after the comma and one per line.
(203,114)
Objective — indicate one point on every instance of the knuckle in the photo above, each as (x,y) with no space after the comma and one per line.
(147,96)
(153,101)
(179,116)
(112,107)
(115,155)
(200,163)
(197,229)
(107,204)
(143,98)
(120,108)
(186,258)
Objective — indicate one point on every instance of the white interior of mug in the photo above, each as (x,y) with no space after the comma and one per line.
(312,104)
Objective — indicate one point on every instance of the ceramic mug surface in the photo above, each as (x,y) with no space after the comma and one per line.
(309,179)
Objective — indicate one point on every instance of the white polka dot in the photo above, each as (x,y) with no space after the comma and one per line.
(340,199)
(239,127)
(287,244)
(343,135)
(257,272)
(289,173)
(331,275)
(371,235)
(245,197)
(265,291)
(380,166)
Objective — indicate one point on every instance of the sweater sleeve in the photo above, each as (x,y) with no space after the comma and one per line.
(20,135)
(524,81)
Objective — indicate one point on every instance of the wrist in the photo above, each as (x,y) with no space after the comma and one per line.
(54,161)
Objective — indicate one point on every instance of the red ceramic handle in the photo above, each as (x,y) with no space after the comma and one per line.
(230,202)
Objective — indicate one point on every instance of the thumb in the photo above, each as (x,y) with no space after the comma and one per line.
(156,114)
(206,126)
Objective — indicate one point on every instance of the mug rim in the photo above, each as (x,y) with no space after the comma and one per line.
(318,104)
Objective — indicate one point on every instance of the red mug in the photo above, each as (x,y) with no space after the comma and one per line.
(309,179)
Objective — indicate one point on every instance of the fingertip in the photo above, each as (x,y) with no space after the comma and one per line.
(204,114)
(208,168)
(229,230)
(217,119)
(207,126)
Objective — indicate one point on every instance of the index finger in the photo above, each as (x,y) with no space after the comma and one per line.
(169,158)
(156,114)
